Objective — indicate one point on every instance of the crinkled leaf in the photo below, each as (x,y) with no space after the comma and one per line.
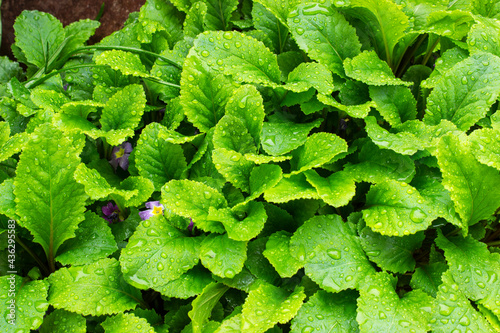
(241,56)
(324,34)
(395,103)
(472,185)
(192,199)
(147,260)
(241,229)
(331,253)
(466,93)
(393,254)
(127,323)
(93,241)
(43,185)
(204,93)
(94,289)
(368,68)
(264,159)
(247,104)
(396,209)
(448,59)
(411,312)
(281,138)
(62,321)
(278,253)
(336,190)
(45,98)
(223,256)
(30,303)
(291,188)
(39,35)
(140,186)
(204,304)
(453,311)
(126,62)
(156,159)
(325,312)
(307,75)
(486,146)
(267,305)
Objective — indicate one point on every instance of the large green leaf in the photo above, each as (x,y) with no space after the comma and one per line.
(233,167)
(39,35)
(325,312)
(407,314)
(219,13)
(94,289)
(158,15)
(466,93)
(278,253)
(28,305)
(324,34)
(472,185)
(158,253)
(223,256)
(265,21)
(291,188)
(241,56)
(336,190)
(281,138)
(231,134)
(395,103)
(62,321)
(486,146)
(49,201)
(331,252)
(127,323)
(397,209)
(204,304)
(193,199)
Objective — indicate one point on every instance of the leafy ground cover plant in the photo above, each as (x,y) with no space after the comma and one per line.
(267,166)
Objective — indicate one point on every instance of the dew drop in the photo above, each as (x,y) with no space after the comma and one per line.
(334,254)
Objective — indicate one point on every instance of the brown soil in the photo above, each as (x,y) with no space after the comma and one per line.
(67,11)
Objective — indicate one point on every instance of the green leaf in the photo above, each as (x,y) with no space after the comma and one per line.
(93,241)
(279,9)
(378,165)
(403,142)
(7,199)
(147,260)
(395,103)
(127,323)
(453,311)
(397,209)
(195,18)
(368,68)
(30,303)
(278,253)
(466,93)
(39,35)
(482,36)
(223,256)
(96,186)
(325,312)
(393,254)
(450,23)
(411,312)
(291,188)
(77,33)
(241,56)
(158,15)
(9,69)
(307,157)
(263,177)
(485,144)
(192,199)
(336,190)
(267,305)
(265,21)
(118,115)
(258,265)
(356,111)
(281,138)
(61,321)
(384,22)
(428,277)
(331,252)
(157,159)
(43,185)
(231,134)
(140,186)
(204,304)
(126,62)
(219,13)
(324,34)
(311,74)
(448,59)
(241,229)
(233,167)
(204,93)
(473,268)
(472,185)
(94,289)
(247,104)
(188,284)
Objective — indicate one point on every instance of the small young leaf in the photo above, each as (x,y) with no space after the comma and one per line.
(7,199)
(324,34)
(94,289)
(428,277)
(231,134)
(157,15)
(333,313)
(223,256)
(93,241)
(356,111)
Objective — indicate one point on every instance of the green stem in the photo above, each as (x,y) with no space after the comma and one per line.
(33,83)
(32,254)
(7,166)
(495,243)
(428,55)
(401,67)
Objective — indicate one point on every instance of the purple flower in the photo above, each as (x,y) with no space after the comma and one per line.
(120,154)
(154,208)
(191,225)
(111,213)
